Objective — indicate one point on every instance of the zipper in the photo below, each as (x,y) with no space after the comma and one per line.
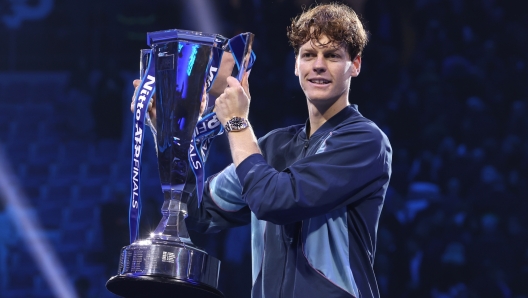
(305,148)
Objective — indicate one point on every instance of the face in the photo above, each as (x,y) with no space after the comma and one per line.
(324,72)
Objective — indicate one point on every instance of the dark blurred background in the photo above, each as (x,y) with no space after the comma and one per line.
(446,81)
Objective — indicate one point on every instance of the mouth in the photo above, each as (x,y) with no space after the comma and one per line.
(319,81)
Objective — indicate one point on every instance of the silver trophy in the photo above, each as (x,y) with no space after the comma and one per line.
(188,67)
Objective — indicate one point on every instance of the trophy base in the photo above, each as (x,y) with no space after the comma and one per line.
(161,268)
(158,286)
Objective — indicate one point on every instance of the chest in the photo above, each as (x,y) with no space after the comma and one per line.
(282,153)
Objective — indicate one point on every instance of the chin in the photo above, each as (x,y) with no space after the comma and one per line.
(317,96)
(323,102)
(318,100)
(321,97)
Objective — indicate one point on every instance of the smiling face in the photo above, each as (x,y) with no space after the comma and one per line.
(324,70)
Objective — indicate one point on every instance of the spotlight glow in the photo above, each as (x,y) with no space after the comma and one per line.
(29,230)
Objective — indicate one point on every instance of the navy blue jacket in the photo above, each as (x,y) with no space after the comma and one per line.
(314,206)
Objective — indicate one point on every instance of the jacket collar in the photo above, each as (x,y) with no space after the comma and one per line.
(331,123)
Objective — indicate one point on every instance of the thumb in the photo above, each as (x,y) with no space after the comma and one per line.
(232,82)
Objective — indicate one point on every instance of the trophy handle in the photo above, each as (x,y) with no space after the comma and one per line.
(241,48)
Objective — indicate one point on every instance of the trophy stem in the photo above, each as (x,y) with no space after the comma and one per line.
(172,225)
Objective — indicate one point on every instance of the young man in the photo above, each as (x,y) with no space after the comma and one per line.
(313,193)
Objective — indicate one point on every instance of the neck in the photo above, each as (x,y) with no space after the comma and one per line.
(319,115)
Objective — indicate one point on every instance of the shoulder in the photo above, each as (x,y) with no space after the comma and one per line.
(360,132)
(357,123)
(281,134)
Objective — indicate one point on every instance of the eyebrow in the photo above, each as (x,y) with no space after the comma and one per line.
(326,50)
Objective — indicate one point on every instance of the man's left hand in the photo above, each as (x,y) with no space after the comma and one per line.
(234,102)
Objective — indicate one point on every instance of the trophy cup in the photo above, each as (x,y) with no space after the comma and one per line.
(181,67)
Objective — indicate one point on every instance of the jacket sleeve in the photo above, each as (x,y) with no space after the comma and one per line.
(222,206)
(350,165)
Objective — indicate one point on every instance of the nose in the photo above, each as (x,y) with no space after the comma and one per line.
(319,64)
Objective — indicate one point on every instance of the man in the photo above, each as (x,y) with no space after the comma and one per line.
(313,193)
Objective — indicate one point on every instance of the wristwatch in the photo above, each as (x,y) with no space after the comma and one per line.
(236,124)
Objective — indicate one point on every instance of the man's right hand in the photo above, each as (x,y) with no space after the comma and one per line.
(151,109)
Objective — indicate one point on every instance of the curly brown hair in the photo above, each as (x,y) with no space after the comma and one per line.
(338,22)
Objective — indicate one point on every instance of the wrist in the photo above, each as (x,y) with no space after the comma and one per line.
(242,144)
(236,124)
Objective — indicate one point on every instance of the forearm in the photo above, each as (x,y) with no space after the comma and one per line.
(243,144)
(351,165)
(222,206)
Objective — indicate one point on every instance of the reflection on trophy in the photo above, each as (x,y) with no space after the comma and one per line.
(182,67)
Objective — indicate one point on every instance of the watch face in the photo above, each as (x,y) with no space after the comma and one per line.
(236,124)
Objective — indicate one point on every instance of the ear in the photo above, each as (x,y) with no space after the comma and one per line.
(356,66)
(296,69)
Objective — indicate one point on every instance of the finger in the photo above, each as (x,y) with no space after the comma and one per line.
(136,84)
(133,103)
(218,102)
(232,82)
